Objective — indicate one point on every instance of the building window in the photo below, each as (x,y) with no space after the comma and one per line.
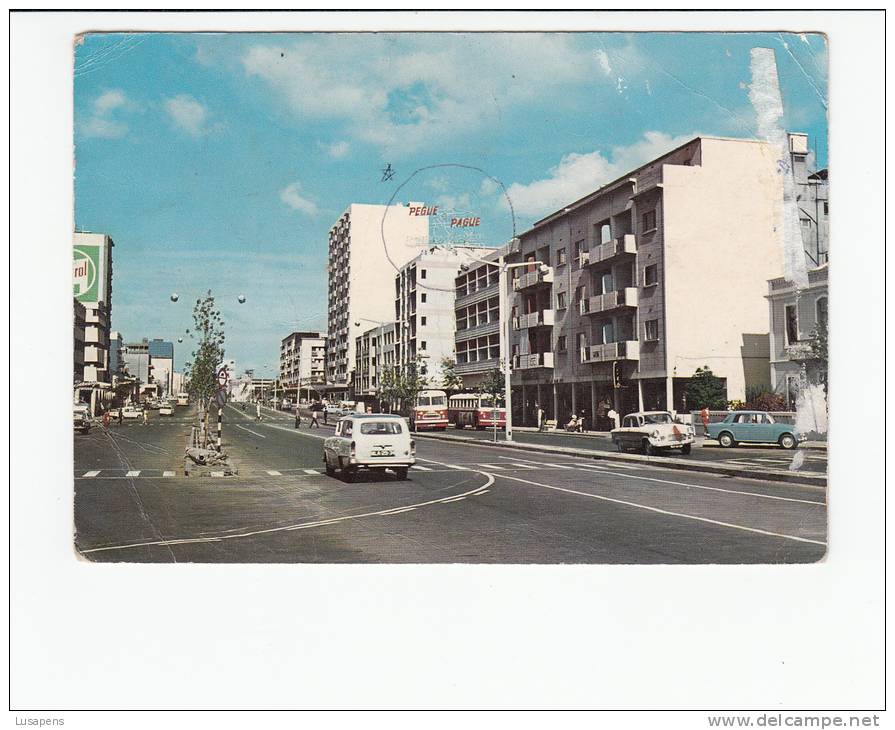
(561,300)
(649,220)
(820,310)
(651,275)
(422,344)
(422,297)
(422,321)
(578,250)
(605,231)
(422,273)
(560,256)
(791,315)
(561,343)
(651,330)
(579,294)
(826,208)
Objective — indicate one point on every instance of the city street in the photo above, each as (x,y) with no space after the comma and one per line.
(463,503)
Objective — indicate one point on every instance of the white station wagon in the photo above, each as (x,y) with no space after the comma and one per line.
(375,442)
(650,431)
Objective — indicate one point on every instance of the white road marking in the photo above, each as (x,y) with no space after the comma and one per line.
(311,471)
(403,509)
(593,466)
(217,473)
(168,474)
(91,474)
(417,467)
(455,499)
(667,512)
(497,467)
(558,466)
(270,530)
(254,433)
(482,492)
(274,473)
(521,466)
(133,473)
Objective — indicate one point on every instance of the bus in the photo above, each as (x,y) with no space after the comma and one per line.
(476,410)
(183,399)
(430,411)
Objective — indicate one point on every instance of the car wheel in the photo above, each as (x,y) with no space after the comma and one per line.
(647,448)
(726,439)
(330,471)
(787,441)
(685,450)
(401,473)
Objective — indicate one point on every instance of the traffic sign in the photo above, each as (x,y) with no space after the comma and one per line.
(223,377)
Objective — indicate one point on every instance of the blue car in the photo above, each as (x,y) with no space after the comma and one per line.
(753,427)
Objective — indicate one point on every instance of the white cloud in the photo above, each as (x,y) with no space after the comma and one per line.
(102,122)
(603,59)
(578,174)
(404,95)
(292,197)
(338,150)
(187,113)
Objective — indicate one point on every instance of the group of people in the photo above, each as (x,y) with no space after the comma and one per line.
(317,408)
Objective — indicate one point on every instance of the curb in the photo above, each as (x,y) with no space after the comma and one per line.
(812,478)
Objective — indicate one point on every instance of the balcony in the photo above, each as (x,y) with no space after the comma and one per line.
(533,361)
(627,350)
(610,301)
(532,278)
(611,250)
(799,352)
(544,318)
(476,366)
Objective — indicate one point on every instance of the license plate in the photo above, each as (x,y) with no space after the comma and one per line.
(382,452)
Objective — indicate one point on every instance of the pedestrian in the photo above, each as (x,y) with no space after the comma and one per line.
(540,413)
(120,416)
(324,415)
(582,423)
(614,416)
(145,416)
(106,419)
(314,421)
(704,414)
(297,418)
(258,410)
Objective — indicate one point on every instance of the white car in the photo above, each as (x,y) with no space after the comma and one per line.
(166,410)
(650,431)
(131,412)
(375,442)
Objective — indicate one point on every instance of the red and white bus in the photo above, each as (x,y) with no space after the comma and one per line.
(477,411)
(430,411)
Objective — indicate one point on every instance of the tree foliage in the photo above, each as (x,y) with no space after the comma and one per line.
(450,381)
(402,386)
(492,384)
(819,343)
(706,390)
(201,371)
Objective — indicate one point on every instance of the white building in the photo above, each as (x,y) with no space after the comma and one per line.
(92,280)
(375,353)
(425,292)
(367,246)
(302,361)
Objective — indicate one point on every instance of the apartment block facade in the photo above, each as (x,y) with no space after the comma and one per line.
(477,311)
(654,275)
(375,350)
(425,315)
(92,280)
(368,245)
(302,360)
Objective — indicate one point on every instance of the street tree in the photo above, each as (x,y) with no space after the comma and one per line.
(201,371)
(706,390)
(450,381)
(412,381)
(492,384)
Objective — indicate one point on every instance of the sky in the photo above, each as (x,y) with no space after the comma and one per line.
(220,161)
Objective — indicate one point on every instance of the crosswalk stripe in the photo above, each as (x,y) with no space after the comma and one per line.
(311,471)
(91,474)
(132,474)
(274,473)
(168,474)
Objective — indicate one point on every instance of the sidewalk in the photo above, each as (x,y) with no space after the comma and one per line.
(700,440)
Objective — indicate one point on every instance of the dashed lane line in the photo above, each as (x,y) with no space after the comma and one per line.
(274,473)
(311,471)
(657,510)
(133,473)
(168,474)
(91,474)
(254,433)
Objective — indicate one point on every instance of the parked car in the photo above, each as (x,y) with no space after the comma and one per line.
(82,418)
(166,410)
(131,412)
(334,410)
(374,442)
(753,427)
(650,431)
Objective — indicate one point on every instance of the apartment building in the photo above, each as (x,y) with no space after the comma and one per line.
(656,274)
(161,355)
(375,350)
(302,361)
(92,280)
(368,245)
(477,311)
(425,315)
(80,314)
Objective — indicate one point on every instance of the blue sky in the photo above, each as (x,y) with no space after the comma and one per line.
(220,161)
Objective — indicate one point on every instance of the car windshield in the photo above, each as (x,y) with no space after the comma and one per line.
(380,428)
(657,418)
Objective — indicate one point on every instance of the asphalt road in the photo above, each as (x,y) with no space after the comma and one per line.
(464,503)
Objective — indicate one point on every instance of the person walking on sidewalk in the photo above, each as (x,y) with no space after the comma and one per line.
(297,418)
(120,415)
(315,409)
(704,414)
(540,412)
(145,416)
(258,410)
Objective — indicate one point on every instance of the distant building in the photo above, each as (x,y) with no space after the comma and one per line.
(137,360)
(425,292)
(302,361)
(367,246)
(116,343)
(80,313)
(375,353)
(161,355)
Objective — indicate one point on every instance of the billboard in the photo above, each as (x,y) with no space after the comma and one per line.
(85,272)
